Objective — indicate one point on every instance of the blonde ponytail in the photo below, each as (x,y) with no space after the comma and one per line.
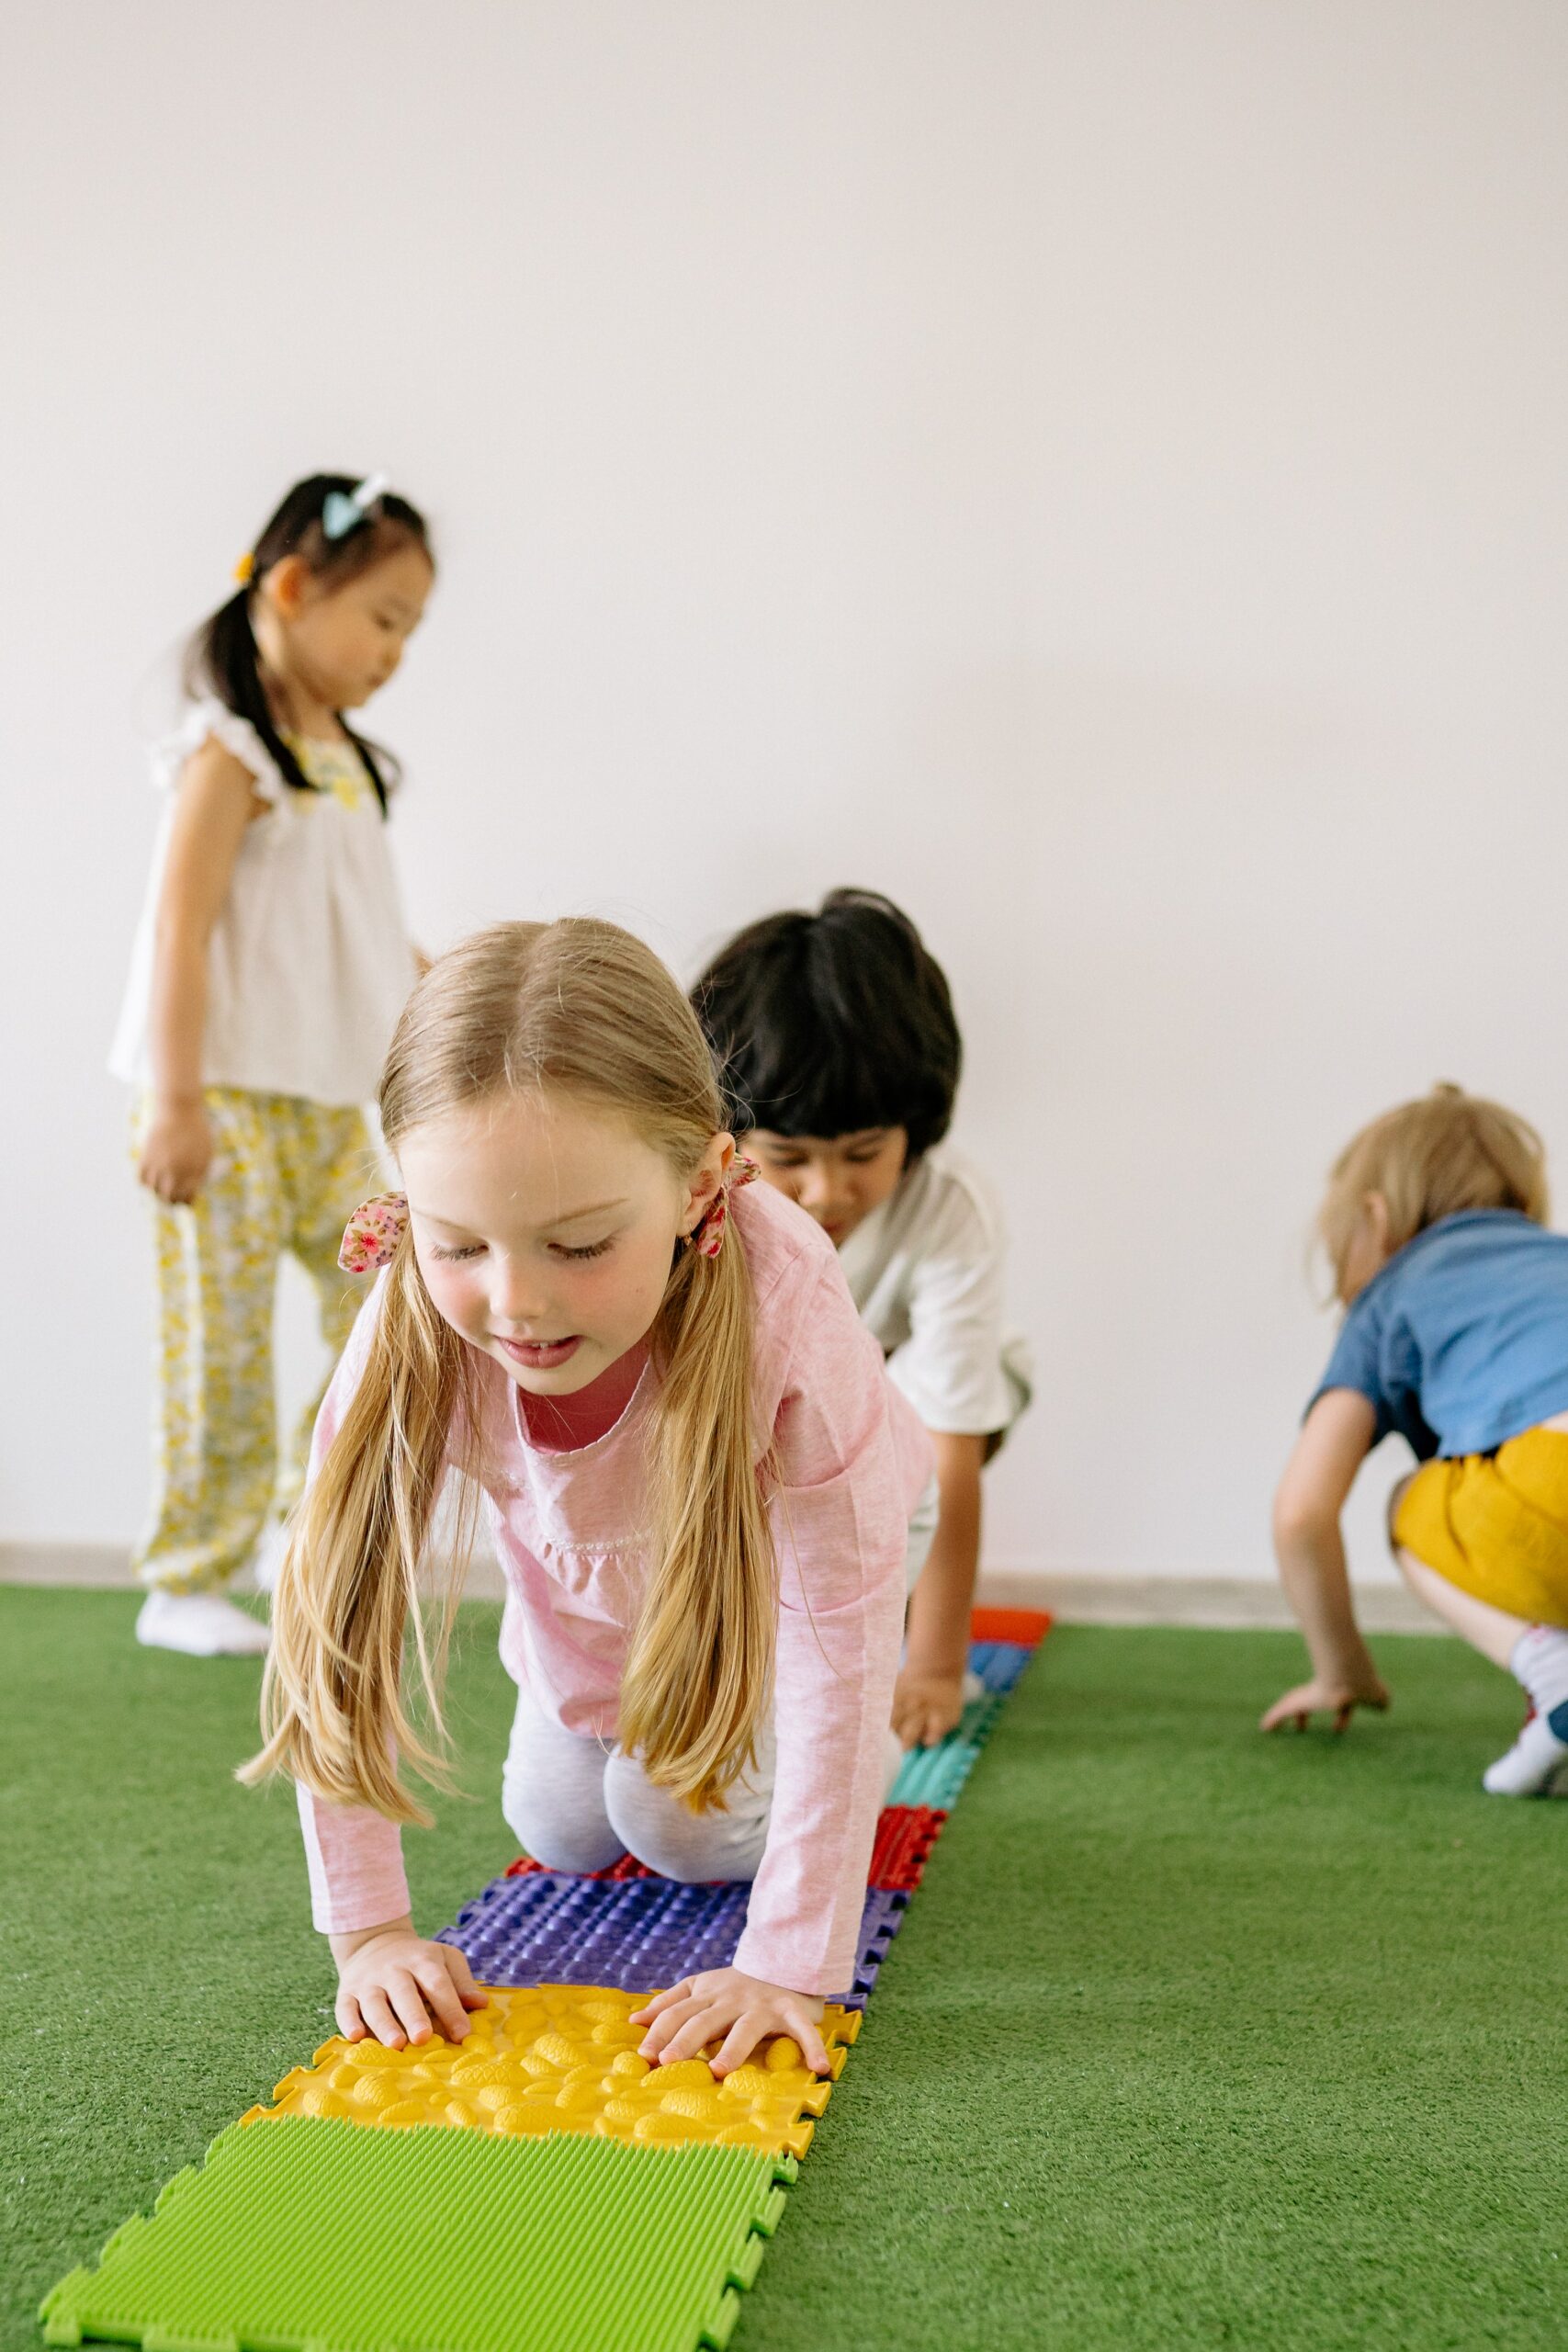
(333,1713)
(583,1008)
(698,1681)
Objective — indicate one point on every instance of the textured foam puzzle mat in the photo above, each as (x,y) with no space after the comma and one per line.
(563,2058)
(904,1835)
(934,1776)
(998,1663)
(314,2236)
(552,2192)
(550,1926)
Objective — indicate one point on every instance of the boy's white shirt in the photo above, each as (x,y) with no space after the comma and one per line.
(927,1272)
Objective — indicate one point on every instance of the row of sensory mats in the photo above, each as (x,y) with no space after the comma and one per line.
(538,2185)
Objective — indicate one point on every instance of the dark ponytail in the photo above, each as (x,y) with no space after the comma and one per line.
(222,658)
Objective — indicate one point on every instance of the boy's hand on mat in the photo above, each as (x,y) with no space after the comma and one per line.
(176,1153)
(724,2004)
(925,1707)
(1317,1697)
(400,1989)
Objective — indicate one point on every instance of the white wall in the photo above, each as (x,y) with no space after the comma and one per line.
(1094,472)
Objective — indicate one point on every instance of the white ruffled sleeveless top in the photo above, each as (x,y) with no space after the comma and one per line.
(309,962)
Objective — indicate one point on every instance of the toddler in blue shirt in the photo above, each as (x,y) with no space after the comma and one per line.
(1455,1336)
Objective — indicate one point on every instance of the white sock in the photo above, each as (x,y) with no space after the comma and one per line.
(1540,1663)
(202,1624)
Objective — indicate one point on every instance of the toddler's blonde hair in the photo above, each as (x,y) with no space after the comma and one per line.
(1430,1159)
(584,1009)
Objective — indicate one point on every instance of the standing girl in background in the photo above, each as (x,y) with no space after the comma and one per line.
(1455,1336)
(835,1033)
(699,1479)
(270,968)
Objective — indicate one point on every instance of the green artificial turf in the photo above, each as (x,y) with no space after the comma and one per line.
(1189,2039)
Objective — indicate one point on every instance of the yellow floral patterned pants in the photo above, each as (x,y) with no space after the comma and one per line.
(286,1175)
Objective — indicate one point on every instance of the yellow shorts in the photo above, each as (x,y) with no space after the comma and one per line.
(1496,1525)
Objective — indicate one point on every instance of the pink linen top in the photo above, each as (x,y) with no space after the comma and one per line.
(569,1528)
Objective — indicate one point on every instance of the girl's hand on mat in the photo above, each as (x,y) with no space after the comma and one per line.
(400,1989)
(1317,1697)
(724,2004)
(176,1152)
(925,1707)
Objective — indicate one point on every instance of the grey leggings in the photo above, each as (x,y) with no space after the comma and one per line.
(577,1805)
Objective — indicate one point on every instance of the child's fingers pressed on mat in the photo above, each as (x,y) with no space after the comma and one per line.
(724,2005)
(676,2011)
(752,2027)
(408,1995)
(661,2001)
(448,1996)
(401,1987)
(380,2018)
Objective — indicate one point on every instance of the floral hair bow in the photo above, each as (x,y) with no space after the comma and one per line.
(707,1237)
(373,1233)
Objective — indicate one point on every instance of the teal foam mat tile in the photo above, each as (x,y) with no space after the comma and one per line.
(934,1776)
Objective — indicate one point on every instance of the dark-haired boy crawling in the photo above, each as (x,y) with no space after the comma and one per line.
(835,1036)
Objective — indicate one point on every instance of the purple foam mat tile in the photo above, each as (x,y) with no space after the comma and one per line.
(880,1922)
(547,1928)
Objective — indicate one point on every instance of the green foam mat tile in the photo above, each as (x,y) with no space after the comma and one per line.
(307,2234)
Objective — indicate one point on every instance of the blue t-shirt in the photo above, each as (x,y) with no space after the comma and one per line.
(1462,1340)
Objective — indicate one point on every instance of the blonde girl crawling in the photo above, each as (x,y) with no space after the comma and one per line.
(1455,1337)
(698,1479)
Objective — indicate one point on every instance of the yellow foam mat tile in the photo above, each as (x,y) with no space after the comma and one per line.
(564,2058)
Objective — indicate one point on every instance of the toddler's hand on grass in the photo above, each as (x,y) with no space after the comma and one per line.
(925,1707)
(1338,1699)
(724,2005)
(399,1988)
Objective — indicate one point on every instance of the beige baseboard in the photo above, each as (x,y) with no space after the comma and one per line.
(1226,1602)
(1231,1603)
(103,1566)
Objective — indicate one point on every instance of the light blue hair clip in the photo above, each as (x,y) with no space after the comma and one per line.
(344,511)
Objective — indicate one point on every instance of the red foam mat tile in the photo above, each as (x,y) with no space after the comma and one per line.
(904,1835)
(626,1868)
(1027,1626)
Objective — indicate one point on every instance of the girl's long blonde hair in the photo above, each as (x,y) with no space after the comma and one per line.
(581,1008)
(1429,1160)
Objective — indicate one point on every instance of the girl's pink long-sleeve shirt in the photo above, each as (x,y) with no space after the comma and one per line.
(570,1531)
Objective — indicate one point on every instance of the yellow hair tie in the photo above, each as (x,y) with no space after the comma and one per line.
(244,568)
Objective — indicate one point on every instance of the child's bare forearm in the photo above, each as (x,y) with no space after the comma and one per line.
(178,1023)
(941,1600)
(939,1609)
(1317,1585)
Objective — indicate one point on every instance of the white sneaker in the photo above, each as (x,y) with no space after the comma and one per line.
(1529,1767)
(202,1624)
